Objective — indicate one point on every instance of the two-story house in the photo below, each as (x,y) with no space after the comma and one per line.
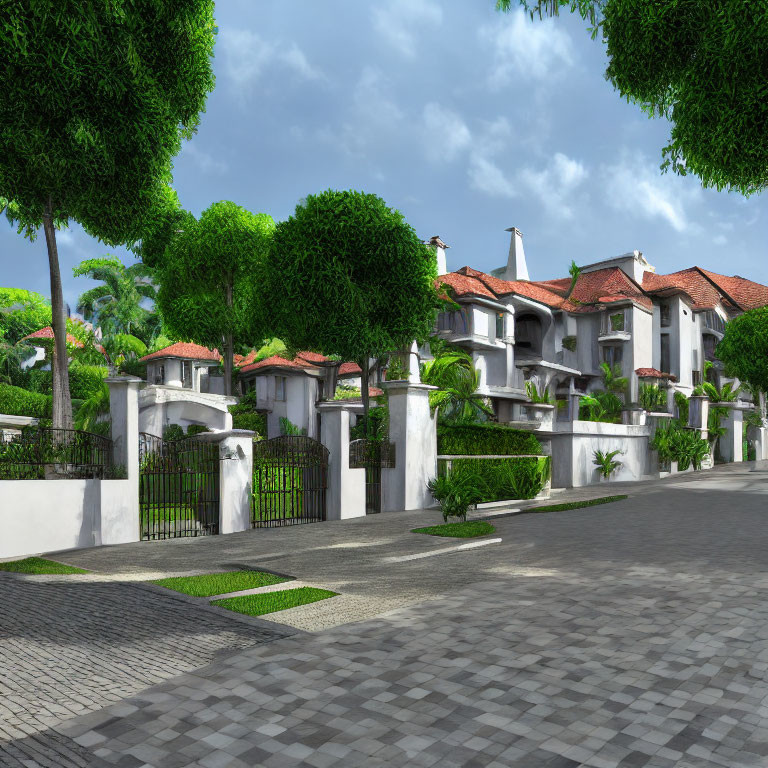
(557,332)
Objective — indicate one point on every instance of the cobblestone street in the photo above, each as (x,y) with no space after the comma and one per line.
(629,635)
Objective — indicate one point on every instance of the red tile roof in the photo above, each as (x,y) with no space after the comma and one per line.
(350,369)
(607,285)
(240,360)
(311,357)
(748,294)
(692,282)
(275,361)
(653,373)
(184,350)
(46,334)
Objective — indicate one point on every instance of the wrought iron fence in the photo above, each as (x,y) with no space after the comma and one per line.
(44,453)
(290,477)
(373,456)
(178,487)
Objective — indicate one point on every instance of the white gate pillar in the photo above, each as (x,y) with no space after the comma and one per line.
(235,477)
(412,428)
(731,446)
(345,496)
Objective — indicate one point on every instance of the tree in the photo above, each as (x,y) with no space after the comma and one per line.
(21,313)
(116,305)
(457,379)
(613,381)
(744,348)
(94,102)
(701,66)
(209,292)
(348,276)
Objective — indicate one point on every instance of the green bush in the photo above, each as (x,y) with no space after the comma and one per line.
(134,368)
(653,398)
(15,401)
(456,491)
(256,422)
(85,380)
(502,479)
(196,429)
(676,443)
(378,419)
(173,432)
(479,439)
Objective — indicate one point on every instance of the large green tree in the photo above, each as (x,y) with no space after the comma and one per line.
(702,65)
(348,276)
(743,349)
(95,100)
(116,306)
(208,275)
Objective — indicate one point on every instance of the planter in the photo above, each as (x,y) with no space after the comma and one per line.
(543,413)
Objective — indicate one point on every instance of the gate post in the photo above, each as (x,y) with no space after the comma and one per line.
(235,477)
(412,428)
(346,487)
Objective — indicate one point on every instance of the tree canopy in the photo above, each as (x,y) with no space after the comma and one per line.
(348,276)
(116,306)
(703,67)
(744,348)
(209,291)
(95,100)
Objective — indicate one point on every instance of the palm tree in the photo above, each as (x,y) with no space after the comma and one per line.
(457,399)
(116,305)
(613,381)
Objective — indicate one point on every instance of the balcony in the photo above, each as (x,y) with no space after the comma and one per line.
(615,326)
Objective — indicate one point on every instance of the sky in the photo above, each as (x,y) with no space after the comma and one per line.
(467,120)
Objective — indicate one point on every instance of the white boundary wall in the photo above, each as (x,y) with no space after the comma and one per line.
(50,515)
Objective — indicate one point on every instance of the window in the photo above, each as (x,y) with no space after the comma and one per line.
(500,325)
(665,357)
(713,321)
(160,374)
(695,378)
(710,342)
(617,321)
(186,374)
(280,388)
(612,355)
(666,315)
(455,321)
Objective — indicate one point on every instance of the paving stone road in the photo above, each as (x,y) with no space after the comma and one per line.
(632,635)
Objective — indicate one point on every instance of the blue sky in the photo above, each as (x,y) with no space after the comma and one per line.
(466,120)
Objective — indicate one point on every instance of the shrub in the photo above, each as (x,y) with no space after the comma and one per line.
(196,429)
(683,407)
(256,422)
(537,397)
(653,398)
(480,439)
(15,401)
(502,479)
(606,463)
(456,491)
(85,380)
(173,432)
(676,443)
(378,420)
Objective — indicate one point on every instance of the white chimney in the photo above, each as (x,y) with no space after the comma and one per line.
(517,269)
(439,247)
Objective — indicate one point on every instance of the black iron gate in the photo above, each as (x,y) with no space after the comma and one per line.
(178,487)
(290,477)
(373,456)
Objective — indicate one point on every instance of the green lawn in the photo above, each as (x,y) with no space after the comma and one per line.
(269,602)
(219,583)
(467,530)
(576,504)
(39,565)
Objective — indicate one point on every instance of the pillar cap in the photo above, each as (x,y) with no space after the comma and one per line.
(123,380)
(405,384)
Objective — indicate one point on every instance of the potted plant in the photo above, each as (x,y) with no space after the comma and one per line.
(606,463)
(542,406)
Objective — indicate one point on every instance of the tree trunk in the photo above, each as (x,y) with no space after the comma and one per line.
(62,403)
(364,379)
(228,344)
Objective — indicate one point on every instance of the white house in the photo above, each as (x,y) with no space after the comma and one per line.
(182,390)
(555,333)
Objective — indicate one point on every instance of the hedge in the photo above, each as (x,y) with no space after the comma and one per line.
(15,401)
(84,380)
(502,479)
(484,439)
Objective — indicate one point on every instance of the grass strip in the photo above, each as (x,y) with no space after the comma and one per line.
(219,583)
(467,530)
(575,504)
(269,602)
(39,565)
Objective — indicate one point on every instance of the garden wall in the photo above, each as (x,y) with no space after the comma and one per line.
(574,444)
(50,515)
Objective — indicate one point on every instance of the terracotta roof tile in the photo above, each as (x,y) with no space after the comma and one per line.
(47,334)
(186,351)
(653,373)
(746,292)
(350,369)
(311,357)
(241,360)
(275,361)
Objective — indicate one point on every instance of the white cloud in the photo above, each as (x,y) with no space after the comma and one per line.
(555,184)
(522,47)
(720,240)
(247,55)
(406,24)
(205,162)
(446,134)
(635,185)
(485,176)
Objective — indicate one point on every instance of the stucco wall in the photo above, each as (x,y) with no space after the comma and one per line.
(574,444)
(50,515)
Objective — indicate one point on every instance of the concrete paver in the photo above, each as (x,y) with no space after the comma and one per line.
(631,634)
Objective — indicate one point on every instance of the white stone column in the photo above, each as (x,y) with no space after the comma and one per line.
(235,477)
(118,517)
(731,442)
(412,428)
(345,497)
